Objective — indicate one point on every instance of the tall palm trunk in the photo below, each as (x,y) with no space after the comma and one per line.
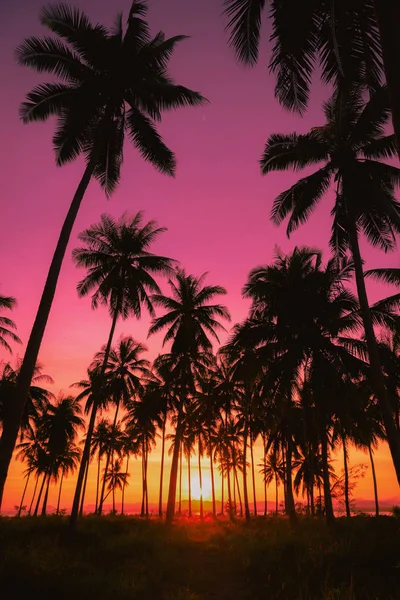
(228,481)
(59,493)
(180,481)
(346,477)
(98,480)
(245,494)
(265,481)
(33,495)
(276,493)
(46,496)
(84,491)
(330,517)
(222,489)
(12,422)
(142,509)
(371,457)
(189,487)
(145,478)
(200,482)
(23,494)
(173,479)
(214,506)
(40,494)
(377,381)
(160,497)
(238,490)
(290,506)
(124,485)
(89,434)
(253,476)
(388,17)
(108,459)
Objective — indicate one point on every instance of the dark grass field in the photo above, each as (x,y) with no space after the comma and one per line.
(121,558)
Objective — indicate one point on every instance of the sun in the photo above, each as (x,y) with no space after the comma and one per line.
(203,491)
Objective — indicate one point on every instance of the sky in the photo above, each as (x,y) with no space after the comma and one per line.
(216,210)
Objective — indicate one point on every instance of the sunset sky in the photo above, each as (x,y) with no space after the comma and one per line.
(216,209)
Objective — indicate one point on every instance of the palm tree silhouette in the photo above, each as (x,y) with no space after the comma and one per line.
(351,41)
(91,63)
(351,144)
(189,321)
(7,326)
(121,269)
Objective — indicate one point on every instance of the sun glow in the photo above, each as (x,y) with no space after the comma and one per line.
(203,491)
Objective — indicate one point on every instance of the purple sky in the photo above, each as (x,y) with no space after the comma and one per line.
(216,209)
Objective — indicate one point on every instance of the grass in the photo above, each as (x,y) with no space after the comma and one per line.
(121,558)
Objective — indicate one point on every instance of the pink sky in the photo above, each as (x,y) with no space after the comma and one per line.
(216,209)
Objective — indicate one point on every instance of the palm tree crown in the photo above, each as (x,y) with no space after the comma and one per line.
(120,266)
(7,326)
(190,319)
(111,82)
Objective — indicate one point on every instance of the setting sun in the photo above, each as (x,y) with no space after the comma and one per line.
(203,491)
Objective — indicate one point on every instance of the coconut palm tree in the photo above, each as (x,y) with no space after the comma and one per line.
(100,441)
(91,63)
(273,470)
(350,41)
(350,146)
(120,275)
(59,427)
(126,372)
(7,326)
(37,401)
(189,320)
(67,462)
(117,480)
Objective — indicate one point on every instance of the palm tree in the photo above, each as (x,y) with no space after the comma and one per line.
(100,440)
(59,427)
(37,401)
(126,373)
(189,321)
(7,325)
(92,121)
(350,145)
(121,270)
(270,470)
(117,480)
(67,462)
(351,41)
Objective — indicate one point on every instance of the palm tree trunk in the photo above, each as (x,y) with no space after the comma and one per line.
(222,489)
(330,517)
(388,17)
(33,495)
(290,506)
(371,457)
(189,487)
(124,485)
(346,478)
(14,416)
(84,491)
(253,476)
(238,491)
(245,494)
(44,507)
(180,481)
(160,497)
(377,381)
(113,495)
(98,480)
(276,494)
(174,468)
(284,477)
(89,434)
(23,493)
(214,506)
(200,483)
(108,458)
(265,481)
(40,495)
(59,493)
(145,479)
(228,481)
